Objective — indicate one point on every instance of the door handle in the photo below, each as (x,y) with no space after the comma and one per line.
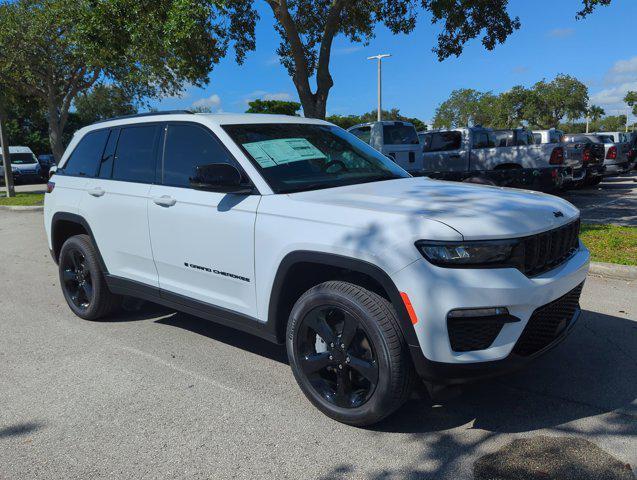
(164,201)
(96,192)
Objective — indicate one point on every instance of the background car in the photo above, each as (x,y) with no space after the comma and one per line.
(398,140)
(46,162)
(24,165)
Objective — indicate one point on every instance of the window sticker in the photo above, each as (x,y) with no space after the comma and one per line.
(271,153)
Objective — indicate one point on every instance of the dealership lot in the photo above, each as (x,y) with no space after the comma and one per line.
(163,394)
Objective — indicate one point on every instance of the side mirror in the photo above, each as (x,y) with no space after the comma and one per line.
(219,177)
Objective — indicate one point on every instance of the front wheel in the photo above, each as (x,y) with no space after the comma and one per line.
(348,354)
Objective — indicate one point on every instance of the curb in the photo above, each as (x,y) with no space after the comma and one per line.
(22,208)
(613,270)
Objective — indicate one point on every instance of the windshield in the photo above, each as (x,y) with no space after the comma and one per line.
(400,134)
(21,158)
(298,157)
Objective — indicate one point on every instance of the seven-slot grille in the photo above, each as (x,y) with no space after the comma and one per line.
(547,323)
(546,250)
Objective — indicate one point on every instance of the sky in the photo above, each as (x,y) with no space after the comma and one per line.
(600,50)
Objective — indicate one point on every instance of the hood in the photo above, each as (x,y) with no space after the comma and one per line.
(477,212)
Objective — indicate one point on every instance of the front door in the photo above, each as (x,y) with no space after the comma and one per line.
(202,241)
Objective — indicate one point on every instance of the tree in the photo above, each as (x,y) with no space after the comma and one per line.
(103,101)
(550,102)
(54,50)
(631,101)
(595,113)
(308,28)
(347,121)
(279,107)
(466,106)
(611,123)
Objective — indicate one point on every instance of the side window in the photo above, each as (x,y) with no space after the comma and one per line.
(442,141)
(106,162)
(186,147)
(364,133)
(484,140)
(522,138)
(84,159)
(135,155)
(537,138)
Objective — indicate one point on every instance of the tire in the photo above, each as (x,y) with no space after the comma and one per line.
(594,181)
(375,347)
(82,280)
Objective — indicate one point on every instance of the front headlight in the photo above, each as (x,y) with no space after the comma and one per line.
(485,254)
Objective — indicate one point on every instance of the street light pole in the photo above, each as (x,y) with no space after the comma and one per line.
(379,59)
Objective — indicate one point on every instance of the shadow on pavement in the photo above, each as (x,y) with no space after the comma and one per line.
(19,429)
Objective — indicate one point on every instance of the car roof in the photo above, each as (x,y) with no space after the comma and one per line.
(205,118)
(18,149)
(382,122)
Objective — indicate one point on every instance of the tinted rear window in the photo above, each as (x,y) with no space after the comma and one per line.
(364,133)
(442,141)
(136,153)
(400,134)
(83,161)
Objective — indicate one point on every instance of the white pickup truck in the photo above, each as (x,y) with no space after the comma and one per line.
(504,157)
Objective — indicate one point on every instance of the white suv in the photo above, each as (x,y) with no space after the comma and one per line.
(296,231)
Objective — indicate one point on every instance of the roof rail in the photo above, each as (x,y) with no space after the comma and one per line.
(145,114)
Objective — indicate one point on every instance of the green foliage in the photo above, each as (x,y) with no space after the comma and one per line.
(542,106)
(595,113)
(347,121)
(466,106)
(55,49)
(631,101)
(27,199)
(279,107)
(103,101)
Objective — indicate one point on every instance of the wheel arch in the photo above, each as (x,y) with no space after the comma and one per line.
(288,287)
(65,225)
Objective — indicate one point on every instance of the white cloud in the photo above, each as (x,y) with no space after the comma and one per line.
(278,96)
(622,71)
(620,78)
(213,102)
(561,32)
(265,95)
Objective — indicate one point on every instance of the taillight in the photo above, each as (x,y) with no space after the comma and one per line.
(50,186)
(612,153)
(557,156)
(587,155)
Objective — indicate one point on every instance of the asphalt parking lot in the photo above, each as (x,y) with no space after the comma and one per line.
(159,394)
(612,201)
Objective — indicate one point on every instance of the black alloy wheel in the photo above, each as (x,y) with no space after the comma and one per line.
(348,354)
(82,279)
(77,281)
(337,357)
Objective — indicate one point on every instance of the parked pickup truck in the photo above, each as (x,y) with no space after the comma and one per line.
(593,155)
(395,139)
(584,159)
(506,158)
(616,154)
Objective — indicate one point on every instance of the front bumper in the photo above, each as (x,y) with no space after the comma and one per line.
(441,373)
(435,291)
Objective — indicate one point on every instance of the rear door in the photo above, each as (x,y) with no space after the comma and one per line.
(203,241)
(116,201)
(443,152)
(401,144)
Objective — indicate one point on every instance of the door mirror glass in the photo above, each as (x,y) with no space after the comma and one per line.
(219,177)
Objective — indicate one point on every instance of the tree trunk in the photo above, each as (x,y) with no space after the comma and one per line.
(314,106)
(6,159)
(55,134)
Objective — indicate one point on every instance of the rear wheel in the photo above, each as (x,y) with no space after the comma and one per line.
(347,353)
(82,280)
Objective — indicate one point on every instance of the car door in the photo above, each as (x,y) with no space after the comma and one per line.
(443,152)
(116,201)
(203,241)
